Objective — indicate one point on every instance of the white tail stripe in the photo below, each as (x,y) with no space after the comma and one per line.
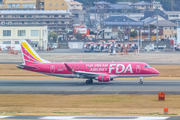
(32,62)
(31,58)
(29,55)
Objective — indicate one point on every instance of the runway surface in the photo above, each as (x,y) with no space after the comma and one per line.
(89,118)
(79,87)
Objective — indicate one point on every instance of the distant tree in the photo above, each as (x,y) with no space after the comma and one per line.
(78,36)
(52,37)
(133,34)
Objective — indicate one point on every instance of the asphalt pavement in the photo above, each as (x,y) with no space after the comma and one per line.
(89,118)
(153,58)
(79,87)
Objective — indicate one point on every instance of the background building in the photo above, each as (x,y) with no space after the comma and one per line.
(57,21)
(10,36)
(51,5)
(33,5)
(169,28)
(18,5)
(143,6)
(74,5)
(173,15)
(120,27)
(157,5)
(76,8)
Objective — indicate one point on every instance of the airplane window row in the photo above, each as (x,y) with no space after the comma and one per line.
(100,67)
(82,67)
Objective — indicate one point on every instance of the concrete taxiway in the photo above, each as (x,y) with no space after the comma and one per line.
(89,118)
(79,87)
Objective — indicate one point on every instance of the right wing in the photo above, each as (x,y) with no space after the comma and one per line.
(82,72)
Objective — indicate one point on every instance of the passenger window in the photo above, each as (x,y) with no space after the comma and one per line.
(77,67)
(61,67)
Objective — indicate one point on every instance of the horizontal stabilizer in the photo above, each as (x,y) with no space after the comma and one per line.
(25,66)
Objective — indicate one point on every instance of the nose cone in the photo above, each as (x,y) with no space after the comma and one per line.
(156,72)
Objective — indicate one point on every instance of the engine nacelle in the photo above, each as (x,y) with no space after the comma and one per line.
(104,78)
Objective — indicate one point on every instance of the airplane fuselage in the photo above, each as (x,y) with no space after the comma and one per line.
(113,69)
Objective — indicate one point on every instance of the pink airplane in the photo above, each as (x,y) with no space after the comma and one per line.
(100,71)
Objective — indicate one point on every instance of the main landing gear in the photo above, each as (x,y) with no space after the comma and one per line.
(90,81)
(141,82)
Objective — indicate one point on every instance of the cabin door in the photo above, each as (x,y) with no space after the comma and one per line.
(138,68)
(52,69)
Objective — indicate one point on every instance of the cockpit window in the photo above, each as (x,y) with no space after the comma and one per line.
(147,66)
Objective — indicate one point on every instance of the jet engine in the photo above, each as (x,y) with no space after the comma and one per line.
(104,78)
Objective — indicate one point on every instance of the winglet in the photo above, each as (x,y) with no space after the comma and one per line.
(68,68)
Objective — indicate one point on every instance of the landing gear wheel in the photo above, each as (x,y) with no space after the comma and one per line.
(141,82)
(88,82)
(91,81)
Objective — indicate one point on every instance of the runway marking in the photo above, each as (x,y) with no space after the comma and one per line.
(152,118)
(84,118)
(106,118)
(2,117)
(57,117)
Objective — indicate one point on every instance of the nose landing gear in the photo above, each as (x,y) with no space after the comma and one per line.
(141,82)
(90,81)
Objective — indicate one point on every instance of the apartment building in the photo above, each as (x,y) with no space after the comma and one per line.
(76,8)
(33,5)
(10,36)
(57,21)
(18,5)
(51,5)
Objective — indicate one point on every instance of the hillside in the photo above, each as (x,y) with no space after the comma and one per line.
(166,3)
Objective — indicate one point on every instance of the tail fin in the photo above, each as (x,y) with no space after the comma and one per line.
(29,55)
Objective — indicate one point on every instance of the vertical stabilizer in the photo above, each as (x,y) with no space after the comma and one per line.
(29,55)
